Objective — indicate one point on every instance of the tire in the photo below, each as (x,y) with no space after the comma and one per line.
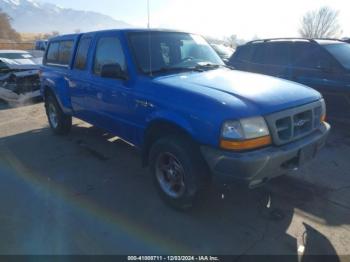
(60,123)
(176,165)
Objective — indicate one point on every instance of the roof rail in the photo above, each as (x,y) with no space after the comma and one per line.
(311,40)
(327,38)
(281,38)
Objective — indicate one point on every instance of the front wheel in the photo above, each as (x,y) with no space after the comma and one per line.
(60,123)
(178,170)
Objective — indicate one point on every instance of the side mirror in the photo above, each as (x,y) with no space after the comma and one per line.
(113,71)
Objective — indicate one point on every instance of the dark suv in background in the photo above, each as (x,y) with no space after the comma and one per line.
(321,64)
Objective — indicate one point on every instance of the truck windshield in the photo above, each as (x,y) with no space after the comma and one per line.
(170,51)
(341,52)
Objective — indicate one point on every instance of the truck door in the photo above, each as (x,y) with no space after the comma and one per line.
(113,95)
(79,78)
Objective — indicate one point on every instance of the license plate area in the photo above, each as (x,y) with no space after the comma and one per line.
(308,153)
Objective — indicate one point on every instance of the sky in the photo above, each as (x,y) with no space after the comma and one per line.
(218,18)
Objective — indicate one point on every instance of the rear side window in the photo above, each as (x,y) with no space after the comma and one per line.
(82,53)
(278,54)
(108,51)
(307,55)
(261,54)
(65,52)
(244,53)
(52,53)
(272,54)
(60,53)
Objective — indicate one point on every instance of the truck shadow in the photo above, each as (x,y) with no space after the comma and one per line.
(102,177)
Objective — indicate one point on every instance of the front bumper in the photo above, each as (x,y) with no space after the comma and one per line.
(259,166)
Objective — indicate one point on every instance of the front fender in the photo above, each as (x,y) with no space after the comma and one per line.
(173,118)
(203,131)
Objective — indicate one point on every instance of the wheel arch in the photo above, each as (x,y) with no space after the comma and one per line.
(50,90)
(159,128)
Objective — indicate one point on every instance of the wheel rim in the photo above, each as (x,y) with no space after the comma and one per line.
(53,115)
(170,175)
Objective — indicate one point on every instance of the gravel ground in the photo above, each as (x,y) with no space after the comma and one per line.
(87,193)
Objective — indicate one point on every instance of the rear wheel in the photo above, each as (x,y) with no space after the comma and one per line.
(178,170)
(60,123)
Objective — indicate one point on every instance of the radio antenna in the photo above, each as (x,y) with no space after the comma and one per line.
(148,15)
(149,38)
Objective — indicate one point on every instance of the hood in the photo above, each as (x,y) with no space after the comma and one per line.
(20,64)
(266,94)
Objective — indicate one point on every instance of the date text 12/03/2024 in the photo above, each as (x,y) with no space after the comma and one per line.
(173,258)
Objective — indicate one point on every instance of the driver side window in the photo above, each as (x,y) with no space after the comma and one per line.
(165,50)
(108,51)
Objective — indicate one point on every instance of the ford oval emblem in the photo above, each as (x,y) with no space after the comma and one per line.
(300,123)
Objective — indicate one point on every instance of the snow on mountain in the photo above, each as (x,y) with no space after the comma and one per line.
(30,16)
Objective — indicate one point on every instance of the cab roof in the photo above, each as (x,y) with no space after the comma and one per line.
(128,30)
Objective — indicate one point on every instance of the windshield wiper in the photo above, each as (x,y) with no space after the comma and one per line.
(211,66)
(198,68)
(229,67)
(174,69)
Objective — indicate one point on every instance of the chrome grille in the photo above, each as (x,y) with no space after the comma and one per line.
(318,115)
(293,124)
(303,123)
(284,128)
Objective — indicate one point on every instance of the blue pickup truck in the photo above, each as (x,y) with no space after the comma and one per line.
(193,118)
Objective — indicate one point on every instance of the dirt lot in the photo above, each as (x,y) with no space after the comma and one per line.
(88,194)
(16,46)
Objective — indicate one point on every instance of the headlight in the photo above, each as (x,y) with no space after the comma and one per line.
(245,134)
(245,129)
(254,127)
(232,130)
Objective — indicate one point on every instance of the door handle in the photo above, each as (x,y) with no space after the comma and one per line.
(71,83)
(144,103)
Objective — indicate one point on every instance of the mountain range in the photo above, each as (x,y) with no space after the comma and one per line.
(30,16)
